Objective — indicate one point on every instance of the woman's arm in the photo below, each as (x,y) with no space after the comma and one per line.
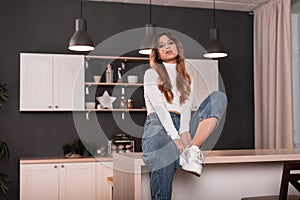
(157,102)
(186,108)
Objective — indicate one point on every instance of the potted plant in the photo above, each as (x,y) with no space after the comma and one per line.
(3,94)
(76,147)
(67,149)
(4,153)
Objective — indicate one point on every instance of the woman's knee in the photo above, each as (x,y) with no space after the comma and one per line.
(219,98)
(218,103)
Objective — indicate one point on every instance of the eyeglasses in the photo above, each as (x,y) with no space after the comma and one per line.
(164,45)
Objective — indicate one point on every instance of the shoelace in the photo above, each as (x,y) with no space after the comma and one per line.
(199,155)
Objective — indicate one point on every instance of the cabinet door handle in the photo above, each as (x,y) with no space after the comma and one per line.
(55,166)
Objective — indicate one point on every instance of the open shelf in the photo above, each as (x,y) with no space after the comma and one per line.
(113,84)
(117,109)
(117,57)
(95,64)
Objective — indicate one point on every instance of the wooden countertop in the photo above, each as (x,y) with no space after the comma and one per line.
(253,155)
(232,156)
(210,157)
(44,160)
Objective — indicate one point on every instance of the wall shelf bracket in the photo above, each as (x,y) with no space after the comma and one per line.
(86,63)
(87,90)
(87,115)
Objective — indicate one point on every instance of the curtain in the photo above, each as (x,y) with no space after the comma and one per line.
(273,123)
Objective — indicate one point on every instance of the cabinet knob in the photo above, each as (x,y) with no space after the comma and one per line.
(62,166)
(49,106)
(55,166)
(56,106)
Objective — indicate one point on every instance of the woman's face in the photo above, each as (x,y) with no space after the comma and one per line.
(167,49)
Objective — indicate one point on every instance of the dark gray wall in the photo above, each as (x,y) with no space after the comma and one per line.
(46,26)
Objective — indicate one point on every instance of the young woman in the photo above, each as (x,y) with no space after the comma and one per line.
(171,136)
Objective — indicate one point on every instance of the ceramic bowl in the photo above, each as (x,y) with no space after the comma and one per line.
(97,79)
(132,79)
(90,105)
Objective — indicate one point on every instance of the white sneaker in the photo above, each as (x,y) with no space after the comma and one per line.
(194,160)
(182,158)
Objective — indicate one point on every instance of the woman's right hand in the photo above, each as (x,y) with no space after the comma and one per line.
(179,144)
(186,138)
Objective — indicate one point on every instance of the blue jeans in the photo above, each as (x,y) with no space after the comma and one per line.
(160,152)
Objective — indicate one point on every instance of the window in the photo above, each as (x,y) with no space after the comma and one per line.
(295,26)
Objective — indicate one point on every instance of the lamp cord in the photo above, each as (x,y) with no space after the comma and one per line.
(214,13)
(81,9)
(150,11)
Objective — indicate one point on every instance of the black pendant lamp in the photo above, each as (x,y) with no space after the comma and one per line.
(80,40)
(214,48)
(145,46)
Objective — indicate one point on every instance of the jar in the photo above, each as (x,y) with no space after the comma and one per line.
(123,102)
(109,76)
(129,103)
(120,141)
(101,151)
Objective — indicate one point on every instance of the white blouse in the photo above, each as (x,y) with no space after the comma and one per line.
(156,102)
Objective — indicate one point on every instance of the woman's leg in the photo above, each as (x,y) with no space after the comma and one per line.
(203,123)
(204,129)
(161,156)
(161,181)
(206,118)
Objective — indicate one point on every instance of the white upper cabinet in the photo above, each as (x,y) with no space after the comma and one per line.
(36,82)
(205,75)
(51,82)
(68,82)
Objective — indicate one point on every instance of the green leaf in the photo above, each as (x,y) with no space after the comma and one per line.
(3,94)
(4,153)
(3,181)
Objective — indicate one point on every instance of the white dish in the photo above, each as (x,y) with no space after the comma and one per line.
(132,79)
(90,105)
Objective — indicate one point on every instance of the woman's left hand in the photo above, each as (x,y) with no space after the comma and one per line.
(186,138)
(179,144)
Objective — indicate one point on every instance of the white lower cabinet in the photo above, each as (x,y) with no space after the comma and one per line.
(39,181)
(104,170)
(58,181)
(77,181)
